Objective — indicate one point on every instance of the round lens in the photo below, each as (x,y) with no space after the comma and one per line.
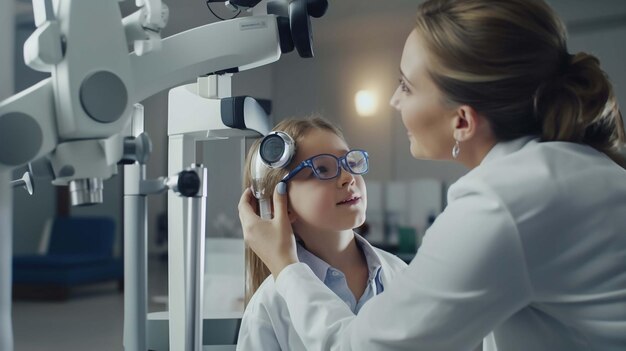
(272,148)
(357,161)
(325,166)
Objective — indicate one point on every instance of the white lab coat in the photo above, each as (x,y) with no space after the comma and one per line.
(529,253)
(266,324)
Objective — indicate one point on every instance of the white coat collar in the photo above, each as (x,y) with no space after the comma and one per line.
(505,148)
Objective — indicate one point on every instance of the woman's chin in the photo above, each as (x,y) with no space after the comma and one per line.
(417,152)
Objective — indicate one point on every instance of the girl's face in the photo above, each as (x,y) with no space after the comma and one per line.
(320,204)
(427,118)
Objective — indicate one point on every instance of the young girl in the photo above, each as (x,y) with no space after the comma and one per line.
(327,199)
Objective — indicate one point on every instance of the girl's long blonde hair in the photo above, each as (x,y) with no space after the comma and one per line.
(256,271)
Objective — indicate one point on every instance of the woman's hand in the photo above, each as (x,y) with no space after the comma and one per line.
(271,239)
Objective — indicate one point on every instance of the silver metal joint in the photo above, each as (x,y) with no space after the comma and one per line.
(86,191)
(26,181)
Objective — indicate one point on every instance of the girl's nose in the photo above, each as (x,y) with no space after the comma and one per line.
(345,178)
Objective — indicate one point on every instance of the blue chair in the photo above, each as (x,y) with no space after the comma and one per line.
(80,252)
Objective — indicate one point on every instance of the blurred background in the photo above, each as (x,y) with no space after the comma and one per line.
(357,48)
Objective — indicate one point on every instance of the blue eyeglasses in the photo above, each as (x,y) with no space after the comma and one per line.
(327,166)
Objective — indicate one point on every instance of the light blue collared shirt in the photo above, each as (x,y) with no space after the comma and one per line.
(336,281)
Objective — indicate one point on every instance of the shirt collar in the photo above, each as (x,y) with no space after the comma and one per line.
(320,268)
(373,262)
(504,148)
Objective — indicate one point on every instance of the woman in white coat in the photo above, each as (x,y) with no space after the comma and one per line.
(530,253)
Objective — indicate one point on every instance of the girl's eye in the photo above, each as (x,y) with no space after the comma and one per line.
(355,164)
(321,170)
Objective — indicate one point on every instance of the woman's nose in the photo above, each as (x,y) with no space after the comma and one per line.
(395,100)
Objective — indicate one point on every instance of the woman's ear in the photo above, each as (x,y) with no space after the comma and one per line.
(465,123)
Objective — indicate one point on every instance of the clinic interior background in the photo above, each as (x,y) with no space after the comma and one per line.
(357,47)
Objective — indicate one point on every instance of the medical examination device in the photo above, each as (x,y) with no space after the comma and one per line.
(81,123)
(275,151)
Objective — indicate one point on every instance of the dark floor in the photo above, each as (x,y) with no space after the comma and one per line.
(91,319)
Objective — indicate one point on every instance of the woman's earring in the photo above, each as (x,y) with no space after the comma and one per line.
(456,149)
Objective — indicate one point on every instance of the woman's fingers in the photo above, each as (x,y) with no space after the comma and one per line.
(271,239)
(280,204)
(247,208)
